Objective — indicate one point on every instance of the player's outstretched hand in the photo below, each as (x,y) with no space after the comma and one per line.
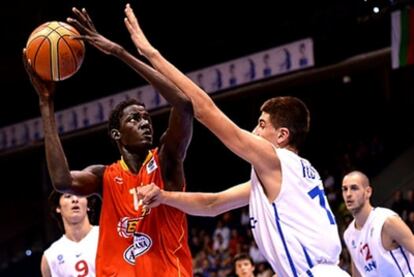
(142,44)
(84,24)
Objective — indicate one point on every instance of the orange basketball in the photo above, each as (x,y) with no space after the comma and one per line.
(53,54)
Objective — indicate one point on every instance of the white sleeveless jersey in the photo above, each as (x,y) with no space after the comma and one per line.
(367,252)
(298,230)
(67,258)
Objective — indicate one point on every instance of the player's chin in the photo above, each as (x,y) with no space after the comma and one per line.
(147,143)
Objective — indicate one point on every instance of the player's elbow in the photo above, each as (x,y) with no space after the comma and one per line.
(62,186)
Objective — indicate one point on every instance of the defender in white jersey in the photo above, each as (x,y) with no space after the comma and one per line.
(379,242)
(297,230)
(74,253)
(284,123)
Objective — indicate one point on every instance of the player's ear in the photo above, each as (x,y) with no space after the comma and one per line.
(369,191)
(283,136)
(115,134)
(284,132)
(58,210)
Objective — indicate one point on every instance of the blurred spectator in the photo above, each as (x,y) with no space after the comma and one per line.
(264,270)
(224,232)
(255,253)
(398,203)
(219,244)
(245,217)
(235,242)
(409,202)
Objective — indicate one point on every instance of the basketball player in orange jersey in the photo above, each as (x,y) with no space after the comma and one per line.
(132,241)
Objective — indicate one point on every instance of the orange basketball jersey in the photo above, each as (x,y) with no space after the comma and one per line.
(134,241)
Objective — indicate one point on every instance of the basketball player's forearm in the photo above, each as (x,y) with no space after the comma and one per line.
(205,111)
(202,103)
(56,161)
(193,203)
(163,85)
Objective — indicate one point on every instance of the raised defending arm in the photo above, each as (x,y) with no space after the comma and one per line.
(250,147)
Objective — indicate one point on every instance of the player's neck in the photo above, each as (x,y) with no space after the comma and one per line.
(76,232)
(292,149)
(362,216)
(133,162)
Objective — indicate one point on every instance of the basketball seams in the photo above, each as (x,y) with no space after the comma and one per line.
(74,56)
(54,54)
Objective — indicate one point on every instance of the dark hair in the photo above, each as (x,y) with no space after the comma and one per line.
(116,113)
(53,201)
(291,113)
(242,256)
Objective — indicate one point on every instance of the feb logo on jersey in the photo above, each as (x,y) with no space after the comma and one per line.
(151,165)
(142,243)
(126,226)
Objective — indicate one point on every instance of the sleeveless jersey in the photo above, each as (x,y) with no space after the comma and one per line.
(67,258)
(297,230)
(134,241)
(367,252)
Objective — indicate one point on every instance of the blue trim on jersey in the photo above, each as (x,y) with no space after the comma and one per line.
(395,260)
(308,259)
(279,228)
(309,273)
(406,260)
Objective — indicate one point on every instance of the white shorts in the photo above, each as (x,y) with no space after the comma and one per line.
(325,270)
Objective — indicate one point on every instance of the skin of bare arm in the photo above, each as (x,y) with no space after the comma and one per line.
(197,203)
(395,232)
(354,270)
(62,178)
(257,151)
(44,267)
(176,139)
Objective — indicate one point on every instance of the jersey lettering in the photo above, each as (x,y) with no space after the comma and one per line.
(82,268)
(370,266)
(317,192)
(135,200)
(308,171)
(138,202)
(365,248)
(253,222)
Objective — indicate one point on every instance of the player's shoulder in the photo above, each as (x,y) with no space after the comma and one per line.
(349,229)
(56,245)
(383,212)
(95,229)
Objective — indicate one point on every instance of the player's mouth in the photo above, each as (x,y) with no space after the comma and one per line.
(349,202)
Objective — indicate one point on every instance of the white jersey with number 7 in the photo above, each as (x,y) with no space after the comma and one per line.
(297,231)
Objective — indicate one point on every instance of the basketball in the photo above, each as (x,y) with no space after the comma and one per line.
(53,54)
